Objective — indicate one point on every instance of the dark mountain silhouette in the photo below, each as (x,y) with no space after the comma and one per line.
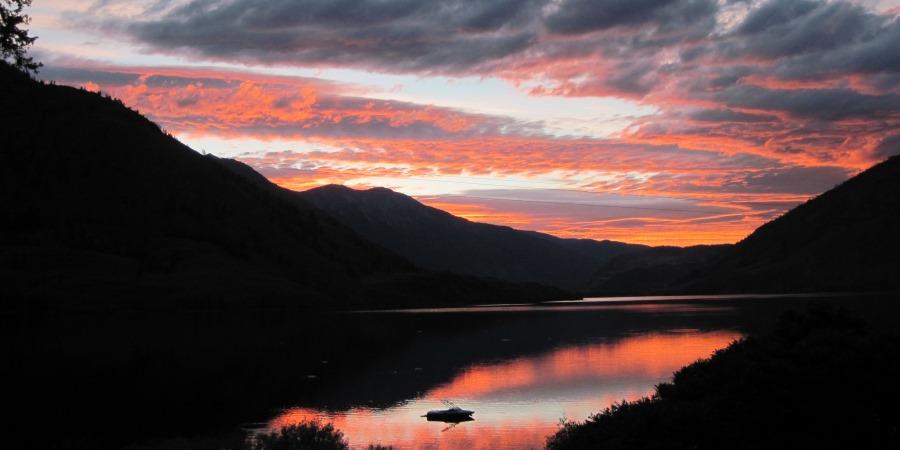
(652,270)
(99,206)
(843,240)
(438,240)
(847,239)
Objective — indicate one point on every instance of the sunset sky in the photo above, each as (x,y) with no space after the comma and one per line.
(651,121)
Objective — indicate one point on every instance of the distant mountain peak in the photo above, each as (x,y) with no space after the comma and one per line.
(333,187)
(384,190)
(438,240)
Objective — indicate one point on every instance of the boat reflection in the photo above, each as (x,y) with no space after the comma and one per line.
(521,401)
(450,422)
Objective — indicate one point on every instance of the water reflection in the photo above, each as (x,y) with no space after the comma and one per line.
(519,402)
(586,305)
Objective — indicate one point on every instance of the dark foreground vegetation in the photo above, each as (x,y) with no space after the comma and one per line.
(301,436)
(821,380)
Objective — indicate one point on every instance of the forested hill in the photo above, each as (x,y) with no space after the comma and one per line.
(438,240)
(99,206)
(846,239)
(843,240)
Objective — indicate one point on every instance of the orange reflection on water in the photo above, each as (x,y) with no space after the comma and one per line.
(647,356)
(519,402)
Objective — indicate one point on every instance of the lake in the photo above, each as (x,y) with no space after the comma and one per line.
(519,401)
(151,379)
(525,368)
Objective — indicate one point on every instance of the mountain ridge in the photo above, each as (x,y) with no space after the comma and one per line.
(438,240)
(843,240)
(101,208)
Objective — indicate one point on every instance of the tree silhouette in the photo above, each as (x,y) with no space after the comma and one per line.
(302,436)
(14,39)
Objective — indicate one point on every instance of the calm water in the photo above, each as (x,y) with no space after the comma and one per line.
(547,364)
(520,401)
(521,368)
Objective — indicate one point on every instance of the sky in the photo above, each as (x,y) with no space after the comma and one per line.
(662,122)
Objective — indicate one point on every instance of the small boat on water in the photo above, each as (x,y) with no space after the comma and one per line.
(452,414)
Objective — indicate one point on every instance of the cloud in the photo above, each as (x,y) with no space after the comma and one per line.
(821,104)
(367,137)
(756,75)
(404,34)
(78,75)
(758,105)
(640,219)
(796,38)
(890,146)
(207,101)
(729,115)
(583,16)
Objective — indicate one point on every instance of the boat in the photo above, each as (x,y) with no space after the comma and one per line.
(453,413)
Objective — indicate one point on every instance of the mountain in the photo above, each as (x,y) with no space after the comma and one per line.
(438,240)
(847,239)
(843,240)
(652,270)
(100,207)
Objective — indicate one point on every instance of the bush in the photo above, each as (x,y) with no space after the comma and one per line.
(303,436)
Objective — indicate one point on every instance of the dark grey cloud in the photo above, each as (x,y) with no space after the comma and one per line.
(820,104)
(76,75)
(79,75)
(583,16)
(801,38)
(888,147)
(875,55)
(812,39)
(177,81)
(188,101)
(397,35)
(448,36)
(791,27)
(728,115)
(798,180)
(791,180)
(775,14)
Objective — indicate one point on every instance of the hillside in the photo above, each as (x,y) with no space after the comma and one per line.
(652,270)
(843,240)
(438,240)
(98,206)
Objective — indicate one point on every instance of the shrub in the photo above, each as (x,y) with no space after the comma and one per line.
(302,436)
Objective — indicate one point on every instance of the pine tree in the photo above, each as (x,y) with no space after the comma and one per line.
(14,39)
